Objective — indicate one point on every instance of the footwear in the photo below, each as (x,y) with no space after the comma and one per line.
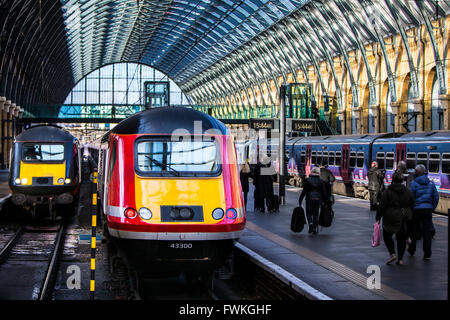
(315,230)
(427,258)
(411,252)
(391,259)
(310,229)
(400,262)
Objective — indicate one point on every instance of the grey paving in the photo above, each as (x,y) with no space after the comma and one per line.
(348,242)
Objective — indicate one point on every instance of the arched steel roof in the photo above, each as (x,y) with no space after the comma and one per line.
(208,47)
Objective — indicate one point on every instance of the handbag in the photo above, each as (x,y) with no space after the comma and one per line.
(376,236)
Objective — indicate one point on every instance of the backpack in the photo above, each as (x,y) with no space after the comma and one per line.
(298,220)
(326,215)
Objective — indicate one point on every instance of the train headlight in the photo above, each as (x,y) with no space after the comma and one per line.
(185,213)
(60,181)
(24,180)
(231,213)
(67,181)
(17,181)
(145,213)
(130,213)
(218,213)
(175,213)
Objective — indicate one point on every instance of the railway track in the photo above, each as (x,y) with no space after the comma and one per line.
(251,278)
(31,246)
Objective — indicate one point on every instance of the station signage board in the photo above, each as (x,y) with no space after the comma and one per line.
(303,125)
(262,124)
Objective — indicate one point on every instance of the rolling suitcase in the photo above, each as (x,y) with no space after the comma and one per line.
(326,216)
(298,219)
(276,203)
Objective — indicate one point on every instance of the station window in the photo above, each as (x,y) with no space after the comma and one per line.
(380,160)
(319,158)
(331,158)
(389,160)
(303,157)
(352,159)
(422,159)
(360,160)
(325,158)
(313,157)
(446,163)
(435,161)
(338,159)
(410,160)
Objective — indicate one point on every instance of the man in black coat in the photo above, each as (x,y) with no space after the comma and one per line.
(315,192)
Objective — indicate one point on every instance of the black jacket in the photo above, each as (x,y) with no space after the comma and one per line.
(396,197)
(376,179)
(326,175)
(87,167)
(313,189)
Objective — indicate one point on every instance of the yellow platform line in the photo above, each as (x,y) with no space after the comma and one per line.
(338,268)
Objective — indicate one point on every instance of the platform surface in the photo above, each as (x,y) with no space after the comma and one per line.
(336,261)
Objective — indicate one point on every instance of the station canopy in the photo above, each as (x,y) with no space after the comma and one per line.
(48,46)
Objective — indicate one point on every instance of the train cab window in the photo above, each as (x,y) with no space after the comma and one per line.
(185,157)
(410,160)
(325,158)
(389,160)
(352,159)
(303,157)
(338,158)
(331,158)
(39,152)
(422,159)
(319,158)
(360,160)
(313,157)
(112,161)
(380,160)
(434,162)
(446,163)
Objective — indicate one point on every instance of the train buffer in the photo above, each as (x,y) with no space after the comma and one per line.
(339,261)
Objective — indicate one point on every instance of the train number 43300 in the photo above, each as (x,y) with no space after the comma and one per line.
(181,245)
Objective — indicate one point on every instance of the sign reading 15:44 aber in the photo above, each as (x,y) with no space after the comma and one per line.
(304,125)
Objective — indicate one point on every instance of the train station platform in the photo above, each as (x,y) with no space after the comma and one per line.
(338,261)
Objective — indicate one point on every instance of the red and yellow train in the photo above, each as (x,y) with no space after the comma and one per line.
(170,190)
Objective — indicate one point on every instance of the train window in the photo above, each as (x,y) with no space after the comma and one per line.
(325,158)
(380,160)
(303,157)
(338,158)
(38,152)
(435,161)
(173,157)
(360,160)
(352,159)
(331,158)
(112,161)
(389,160)
(422,159)
(319,158)
(446,163)
(410,160)
(313,157)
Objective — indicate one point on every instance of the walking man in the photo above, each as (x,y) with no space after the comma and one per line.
(426,200)
(315,192)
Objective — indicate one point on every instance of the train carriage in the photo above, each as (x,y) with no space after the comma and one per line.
(44,170)
(432,149)
(171,193)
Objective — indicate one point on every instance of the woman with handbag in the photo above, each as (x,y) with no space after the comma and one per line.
(395,207)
